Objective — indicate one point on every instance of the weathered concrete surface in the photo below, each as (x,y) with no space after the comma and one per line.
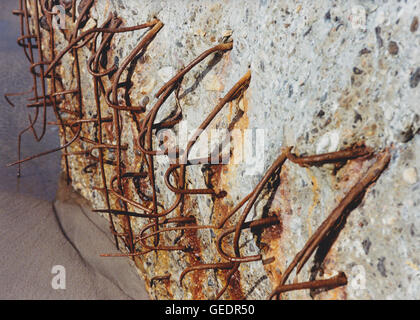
(325,75)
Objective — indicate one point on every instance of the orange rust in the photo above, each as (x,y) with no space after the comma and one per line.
(243,123)
(284,200)
(329,266)
(229,116)
(273,232)
(167,283)
(272,250)
(194,255)
(222,175)
(273,239)
(235,290)
(220,207)
(349,174)
(138,260)
(315,201)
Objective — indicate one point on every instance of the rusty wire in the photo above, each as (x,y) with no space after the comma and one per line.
(336,215)
(53,94)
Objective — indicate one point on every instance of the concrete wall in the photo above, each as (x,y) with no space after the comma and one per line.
(325,75)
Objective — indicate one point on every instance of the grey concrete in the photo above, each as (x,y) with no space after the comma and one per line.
(325,75)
